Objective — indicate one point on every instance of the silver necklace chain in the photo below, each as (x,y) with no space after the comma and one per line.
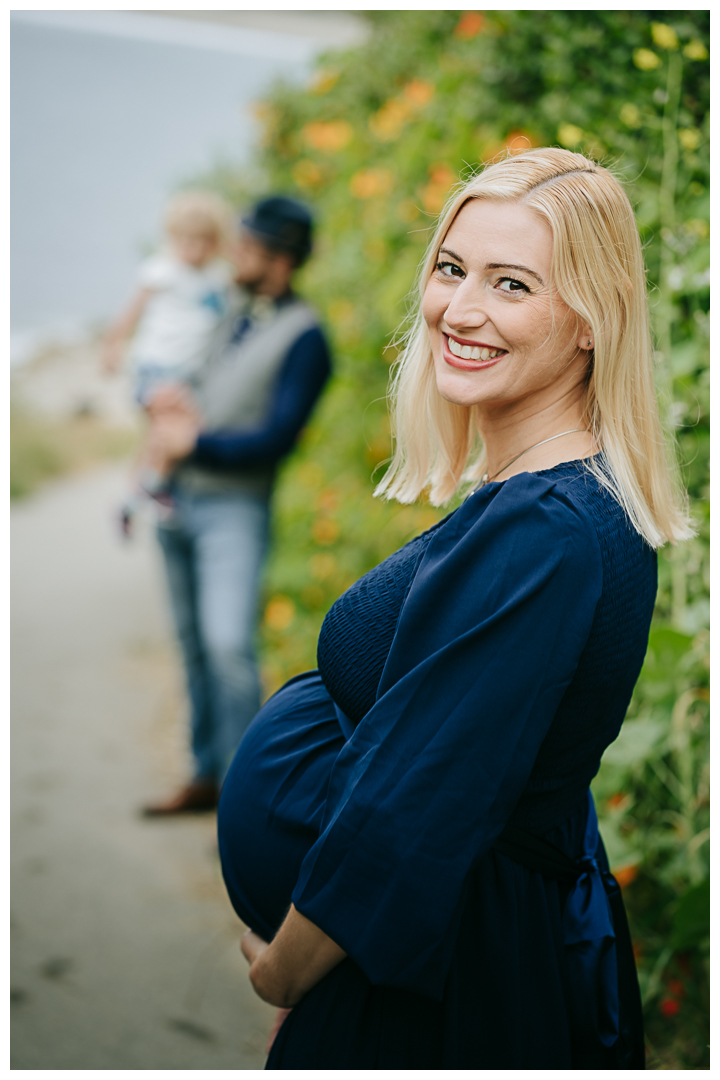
(487,479)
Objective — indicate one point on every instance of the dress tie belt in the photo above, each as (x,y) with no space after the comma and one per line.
(593,914)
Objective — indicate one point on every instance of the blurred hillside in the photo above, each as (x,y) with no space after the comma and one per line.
(375,143)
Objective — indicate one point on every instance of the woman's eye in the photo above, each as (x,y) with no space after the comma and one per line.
(511,285)
(449,269)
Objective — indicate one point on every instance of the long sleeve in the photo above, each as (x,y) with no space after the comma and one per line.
(299,385)
(487,642)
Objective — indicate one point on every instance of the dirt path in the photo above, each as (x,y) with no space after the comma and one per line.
(124,945)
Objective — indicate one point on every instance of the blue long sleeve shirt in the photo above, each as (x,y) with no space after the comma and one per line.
(300,382)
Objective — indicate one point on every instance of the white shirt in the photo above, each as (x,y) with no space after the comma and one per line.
(186,306)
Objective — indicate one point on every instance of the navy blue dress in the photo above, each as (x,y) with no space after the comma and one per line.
(471,680)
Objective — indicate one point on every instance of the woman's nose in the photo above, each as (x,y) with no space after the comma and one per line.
(466,310)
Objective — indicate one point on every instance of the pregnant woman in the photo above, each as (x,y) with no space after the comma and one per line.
(408,830)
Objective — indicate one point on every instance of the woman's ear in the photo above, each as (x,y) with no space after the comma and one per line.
(585,339)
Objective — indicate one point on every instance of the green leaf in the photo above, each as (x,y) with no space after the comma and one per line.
(691,922)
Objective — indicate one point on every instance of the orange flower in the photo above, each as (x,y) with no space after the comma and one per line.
(325,531)
(625,875)
(617,798)
(326,500)
(470,25)
(371,182)
(669,1007)
(418,93)
(328,135)
(390,119)
(517,141)
(433,195)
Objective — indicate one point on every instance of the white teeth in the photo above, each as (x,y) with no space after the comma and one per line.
(472,352)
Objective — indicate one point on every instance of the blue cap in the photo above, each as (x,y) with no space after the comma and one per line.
(282,224)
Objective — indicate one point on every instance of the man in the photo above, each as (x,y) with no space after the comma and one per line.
(249,404)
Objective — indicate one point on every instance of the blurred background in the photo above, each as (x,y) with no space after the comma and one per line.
(124,945)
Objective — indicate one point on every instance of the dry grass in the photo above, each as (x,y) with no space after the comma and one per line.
(42,448)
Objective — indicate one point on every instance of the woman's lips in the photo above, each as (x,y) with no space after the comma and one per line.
(466,364)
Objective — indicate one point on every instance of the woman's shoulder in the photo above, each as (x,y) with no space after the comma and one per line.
(569,498)
(529,508)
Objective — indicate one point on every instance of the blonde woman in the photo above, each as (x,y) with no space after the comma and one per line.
(408,831)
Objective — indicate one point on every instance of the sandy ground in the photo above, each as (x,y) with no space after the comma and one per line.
(124,945)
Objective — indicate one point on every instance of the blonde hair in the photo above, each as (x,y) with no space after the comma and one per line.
(598,271)
(199,212)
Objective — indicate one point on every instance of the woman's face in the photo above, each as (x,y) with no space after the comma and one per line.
(500,333)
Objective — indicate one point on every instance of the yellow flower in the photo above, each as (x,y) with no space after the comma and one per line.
(630,116)
(569,135)
(695,50)
(369,182)
(341,311)
(324,80)
(328,135)
(279,613)
(689,138)
(664,36)
(698,228)
(646,59)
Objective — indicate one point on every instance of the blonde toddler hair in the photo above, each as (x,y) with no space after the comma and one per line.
(199,212)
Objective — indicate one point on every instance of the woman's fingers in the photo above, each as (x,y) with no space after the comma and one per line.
(277,1024)
(252,946)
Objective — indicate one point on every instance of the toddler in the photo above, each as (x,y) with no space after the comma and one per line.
(184,294)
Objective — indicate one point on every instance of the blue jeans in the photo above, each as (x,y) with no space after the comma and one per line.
(214,547)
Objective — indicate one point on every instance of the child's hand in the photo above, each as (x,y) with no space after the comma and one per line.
(170,397)
(111,357)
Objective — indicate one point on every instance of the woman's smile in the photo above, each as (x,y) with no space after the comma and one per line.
(468,355)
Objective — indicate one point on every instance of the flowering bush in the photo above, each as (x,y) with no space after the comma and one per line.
(375,143)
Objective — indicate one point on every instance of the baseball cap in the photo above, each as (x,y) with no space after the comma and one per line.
(283,224)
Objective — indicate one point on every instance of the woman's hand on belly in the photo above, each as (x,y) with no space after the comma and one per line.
(299,956)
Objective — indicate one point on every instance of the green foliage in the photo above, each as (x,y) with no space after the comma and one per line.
(375,143)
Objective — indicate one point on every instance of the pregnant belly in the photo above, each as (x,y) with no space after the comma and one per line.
(273,799)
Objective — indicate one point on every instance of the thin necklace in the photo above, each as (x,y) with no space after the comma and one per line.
(486,479)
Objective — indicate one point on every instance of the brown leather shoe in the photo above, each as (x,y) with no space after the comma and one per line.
(197,796)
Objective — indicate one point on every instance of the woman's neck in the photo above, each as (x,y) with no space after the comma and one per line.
(530,432)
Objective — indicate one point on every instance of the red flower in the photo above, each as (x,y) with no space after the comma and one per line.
(669,1007)
(676,988)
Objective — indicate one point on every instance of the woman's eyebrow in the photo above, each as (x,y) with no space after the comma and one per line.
(452,254)
(511,266)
